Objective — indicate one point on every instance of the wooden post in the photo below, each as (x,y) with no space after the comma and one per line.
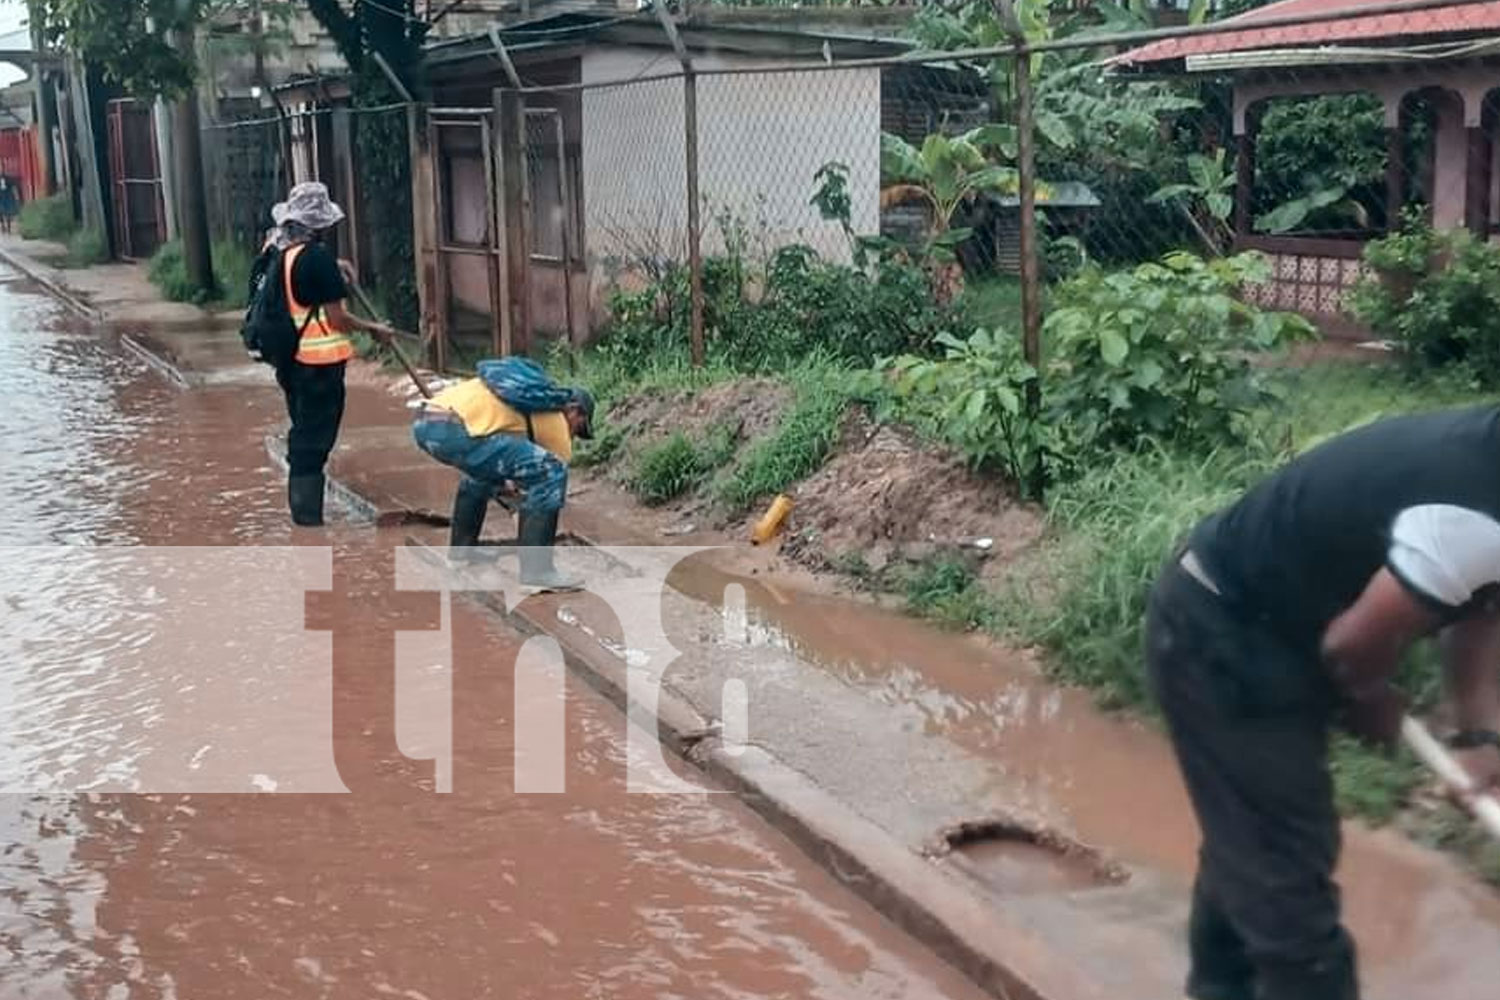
(565,203)
(1395,175)
(46,114)
(192,204)
(1477,183)
(46,121)
(1031,257)
(690,146)
(91,178)
(501,212)
(1244,183)
(433,313)
(516,211)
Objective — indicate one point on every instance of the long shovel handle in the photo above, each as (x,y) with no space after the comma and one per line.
(1485,807)
(368,307)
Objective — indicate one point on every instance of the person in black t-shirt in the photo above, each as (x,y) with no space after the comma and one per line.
(1291,610)
(314,382)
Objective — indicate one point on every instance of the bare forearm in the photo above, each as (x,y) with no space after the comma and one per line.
(343,319)
(1471,672)
(1363,647)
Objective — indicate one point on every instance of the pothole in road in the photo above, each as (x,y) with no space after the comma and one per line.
(1012,859)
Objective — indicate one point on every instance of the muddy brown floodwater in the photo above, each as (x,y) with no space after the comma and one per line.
(390,891)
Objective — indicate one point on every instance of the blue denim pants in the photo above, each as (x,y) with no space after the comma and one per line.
(487,462)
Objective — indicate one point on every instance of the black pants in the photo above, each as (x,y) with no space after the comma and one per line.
(1249,718)
(315,402)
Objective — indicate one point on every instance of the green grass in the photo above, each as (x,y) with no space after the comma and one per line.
(87,247)
(1372,785)
(946,590)
(667,470)
(677,465)
(232,263)
(47,219)
(808,432)
(995,302)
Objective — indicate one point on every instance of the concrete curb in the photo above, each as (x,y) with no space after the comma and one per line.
(59,290)
(157,362)
(1005,958)
(1000,954)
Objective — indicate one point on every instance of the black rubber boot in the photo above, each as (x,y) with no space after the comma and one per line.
(469,507)
(536,534)
(304,495)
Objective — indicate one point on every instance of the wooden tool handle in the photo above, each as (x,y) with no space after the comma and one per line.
(1485,807)
(411,371)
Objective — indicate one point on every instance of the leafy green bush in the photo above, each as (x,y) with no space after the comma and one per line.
(974,398)
(232,263)
(47,218)
(87,247)
(762,319)
(1320,163)
(1438,295)
(1159,352)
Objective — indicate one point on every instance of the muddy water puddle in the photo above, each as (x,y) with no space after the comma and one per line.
(391,890)
(1106,780)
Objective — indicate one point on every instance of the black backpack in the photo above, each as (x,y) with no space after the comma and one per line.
(269,333)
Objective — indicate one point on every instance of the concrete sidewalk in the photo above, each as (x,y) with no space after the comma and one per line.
(874,740)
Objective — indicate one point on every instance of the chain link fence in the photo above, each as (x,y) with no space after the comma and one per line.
(1318,142)
(252,158)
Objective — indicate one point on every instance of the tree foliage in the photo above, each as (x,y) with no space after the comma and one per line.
(392,30)
(129,40)
(132,41)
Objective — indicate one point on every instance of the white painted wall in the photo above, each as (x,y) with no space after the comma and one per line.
(762,138)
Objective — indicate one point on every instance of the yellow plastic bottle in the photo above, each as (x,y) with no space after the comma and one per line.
(773,521)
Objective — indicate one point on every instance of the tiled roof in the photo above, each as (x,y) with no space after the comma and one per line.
(1242,33)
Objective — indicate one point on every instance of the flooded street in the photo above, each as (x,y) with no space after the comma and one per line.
(114,671)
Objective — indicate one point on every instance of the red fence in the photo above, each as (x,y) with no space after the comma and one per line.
(19,161)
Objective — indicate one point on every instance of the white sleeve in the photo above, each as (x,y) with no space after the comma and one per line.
(1444,552)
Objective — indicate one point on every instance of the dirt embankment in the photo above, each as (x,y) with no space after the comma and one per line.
(882,497)
(749,408)
(887,496)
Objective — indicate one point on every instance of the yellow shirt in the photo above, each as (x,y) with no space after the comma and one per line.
(484,414)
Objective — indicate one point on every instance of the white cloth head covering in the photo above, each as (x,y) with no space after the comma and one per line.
(308,209)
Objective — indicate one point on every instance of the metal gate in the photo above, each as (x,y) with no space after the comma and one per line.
(135,174)
(470,286)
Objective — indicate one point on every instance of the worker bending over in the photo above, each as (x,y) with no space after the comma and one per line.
(509,425)
(1293,609)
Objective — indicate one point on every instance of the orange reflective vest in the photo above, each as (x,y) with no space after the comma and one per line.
(321,343)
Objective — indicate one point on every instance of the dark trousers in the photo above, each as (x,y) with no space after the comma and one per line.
(315,402)
(1249,718)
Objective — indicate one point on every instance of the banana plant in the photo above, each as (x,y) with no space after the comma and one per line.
(1206,199)
(945,173)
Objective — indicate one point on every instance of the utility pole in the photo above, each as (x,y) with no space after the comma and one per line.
(192,202)
(46,112)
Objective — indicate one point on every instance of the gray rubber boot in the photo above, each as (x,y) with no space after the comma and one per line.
(304,496)
(537,534)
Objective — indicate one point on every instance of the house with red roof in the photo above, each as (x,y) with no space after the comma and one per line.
(1434,69)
